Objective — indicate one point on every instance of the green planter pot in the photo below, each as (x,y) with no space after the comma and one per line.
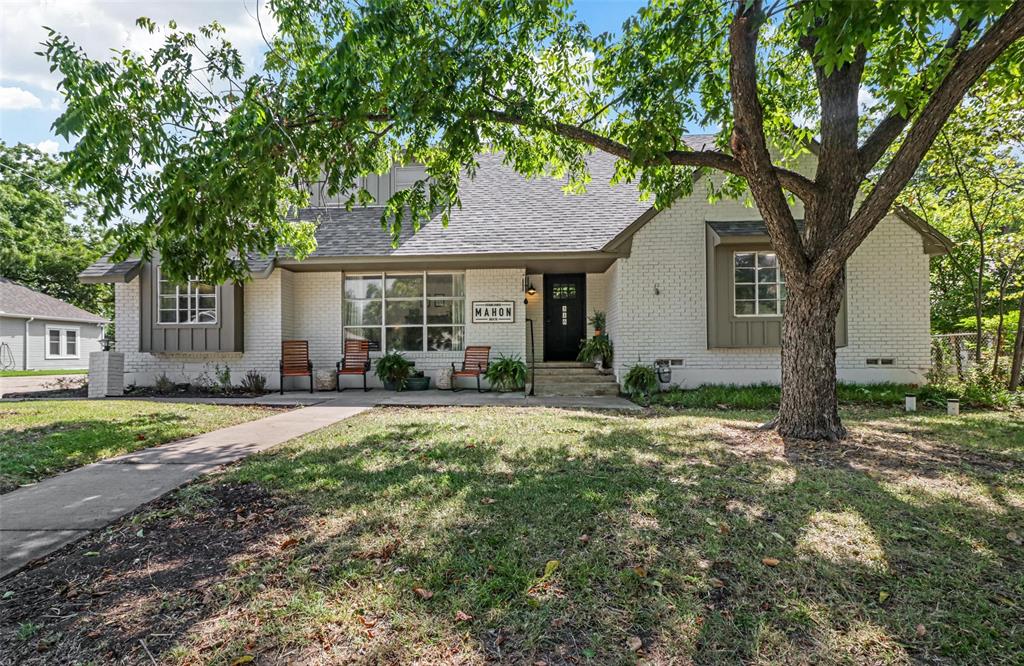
(417,383)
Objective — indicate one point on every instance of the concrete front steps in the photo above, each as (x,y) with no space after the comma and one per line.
(570,378)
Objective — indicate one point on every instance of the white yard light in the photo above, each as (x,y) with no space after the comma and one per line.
(953,407)
(910,402)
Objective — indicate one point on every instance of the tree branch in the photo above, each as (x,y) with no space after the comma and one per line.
(750,146)
(893,125)
(796,183)
(966,70)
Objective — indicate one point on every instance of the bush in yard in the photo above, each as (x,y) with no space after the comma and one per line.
(163,384)
(254,382)
(222,376)
(393,369)
(506,373)
(640,382)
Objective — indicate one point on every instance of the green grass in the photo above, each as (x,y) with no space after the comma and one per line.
(41,438)
(898,545)
(765,396)
(41,373)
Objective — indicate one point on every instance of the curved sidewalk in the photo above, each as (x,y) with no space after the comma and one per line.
(38,519)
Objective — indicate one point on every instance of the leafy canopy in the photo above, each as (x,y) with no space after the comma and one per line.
(212,158)
(49,229)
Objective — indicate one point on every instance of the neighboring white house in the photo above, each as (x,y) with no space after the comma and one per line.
(694,286)
(39,332)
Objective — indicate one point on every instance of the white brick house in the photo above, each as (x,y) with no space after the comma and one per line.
(692,286)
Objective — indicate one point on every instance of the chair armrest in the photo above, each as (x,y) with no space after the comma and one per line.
(339,363)
(366,366)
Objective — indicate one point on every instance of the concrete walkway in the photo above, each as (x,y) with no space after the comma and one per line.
(432,398)
(36,383)
(38,519)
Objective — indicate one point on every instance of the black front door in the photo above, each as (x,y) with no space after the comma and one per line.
(565,306)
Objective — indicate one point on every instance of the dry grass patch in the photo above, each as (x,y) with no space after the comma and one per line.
(474,536)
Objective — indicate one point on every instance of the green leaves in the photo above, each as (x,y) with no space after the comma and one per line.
(209,161)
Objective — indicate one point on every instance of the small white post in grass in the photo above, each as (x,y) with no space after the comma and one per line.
(910,402)
(953,407)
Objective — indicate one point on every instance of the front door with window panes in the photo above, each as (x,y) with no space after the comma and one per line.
(408,312)
(565,324)
(759,289)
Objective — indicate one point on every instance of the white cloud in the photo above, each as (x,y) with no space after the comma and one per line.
(100,26)
(48,146)
(16,99)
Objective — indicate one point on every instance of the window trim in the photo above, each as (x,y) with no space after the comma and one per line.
(778,283)
(157,295)
(424,299)
(63,342)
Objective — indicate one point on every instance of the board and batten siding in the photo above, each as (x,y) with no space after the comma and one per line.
(725,329)
(227,335)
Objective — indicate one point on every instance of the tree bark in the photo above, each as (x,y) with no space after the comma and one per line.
(808,409)
(1018,350)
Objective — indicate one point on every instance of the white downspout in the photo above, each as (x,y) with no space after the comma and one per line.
(24,347)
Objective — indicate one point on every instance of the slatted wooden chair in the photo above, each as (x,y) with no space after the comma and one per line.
(355,361)
(295,361)
(474,364)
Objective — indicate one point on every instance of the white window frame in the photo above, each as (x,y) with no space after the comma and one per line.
(779,283)
(64,330)
(193,302)
(425,298)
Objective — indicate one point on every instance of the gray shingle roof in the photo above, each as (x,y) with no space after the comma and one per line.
(17,299)
(502,212)
(105,270)
(745,227)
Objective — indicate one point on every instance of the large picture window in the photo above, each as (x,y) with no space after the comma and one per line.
(191,303)
(760,290)
(406,311)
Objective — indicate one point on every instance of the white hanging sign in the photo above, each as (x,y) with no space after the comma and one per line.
(494,312)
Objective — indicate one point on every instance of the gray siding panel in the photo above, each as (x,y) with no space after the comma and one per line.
(225,336)
(725,330)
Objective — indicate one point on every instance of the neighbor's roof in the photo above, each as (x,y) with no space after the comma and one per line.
(20,301)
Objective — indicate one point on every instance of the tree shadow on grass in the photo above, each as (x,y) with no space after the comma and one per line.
(34,453)
(485,512)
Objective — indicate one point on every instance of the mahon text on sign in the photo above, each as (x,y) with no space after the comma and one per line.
(493,312)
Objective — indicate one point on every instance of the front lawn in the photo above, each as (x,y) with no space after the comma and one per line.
(443,536)
(41,373)
(41,438)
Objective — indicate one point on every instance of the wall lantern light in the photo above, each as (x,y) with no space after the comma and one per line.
(530,291)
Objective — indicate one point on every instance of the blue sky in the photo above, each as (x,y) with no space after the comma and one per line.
(29,102)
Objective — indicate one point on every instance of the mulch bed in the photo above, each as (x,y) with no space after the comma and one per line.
(131,591)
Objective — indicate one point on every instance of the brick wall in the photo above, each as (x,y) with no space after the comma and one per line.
(308,306)
(887,300)
(263,328)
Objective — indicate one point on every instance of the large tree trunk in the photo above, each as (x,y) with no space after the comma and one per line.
(809,408)
(1018,350)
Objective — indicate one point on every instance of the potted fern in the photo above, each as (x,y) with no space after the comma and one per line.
(640,383)
(507,373)
(394,370)
(597,350)
(597,320)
